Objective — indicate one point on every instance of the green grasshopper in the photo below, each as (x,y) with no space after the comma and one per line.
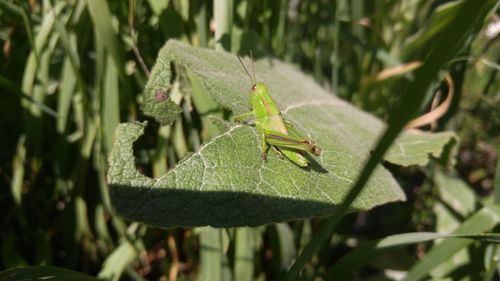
(273,128)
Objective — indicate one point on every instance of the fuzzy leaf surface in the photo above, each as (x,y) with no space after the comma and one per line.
(226,183)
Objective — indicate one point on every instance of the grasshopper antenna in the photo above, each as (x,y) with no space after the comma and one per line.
(246,70)
(253,69)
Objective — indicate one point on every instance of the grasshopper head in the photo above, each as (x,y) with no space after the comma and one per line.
(259,88)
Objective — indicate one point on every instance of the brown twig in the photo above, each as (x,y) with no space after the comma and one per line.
(132,34)
(434,105)
(397,70)
(174,268)
(437,112)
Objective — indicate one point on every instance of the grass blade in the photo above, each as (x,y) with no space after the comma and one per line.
(102,18)
(244,254)
(482,221)
(223,14)
(67,88)
(16,187)
(44,273)
(22,13)
(110,102)
(211,254)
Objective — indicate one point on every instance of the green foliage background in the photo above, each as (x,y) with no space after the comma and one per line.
(70,72)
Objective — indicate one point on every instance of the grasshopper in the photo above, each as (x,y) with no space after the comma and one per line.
(273,128)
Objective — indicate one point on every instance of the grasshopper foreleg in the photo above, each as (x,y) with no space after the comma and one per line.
(244,117)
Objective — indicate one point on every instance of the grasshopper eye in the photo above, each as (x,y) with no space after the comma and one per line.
(254,87)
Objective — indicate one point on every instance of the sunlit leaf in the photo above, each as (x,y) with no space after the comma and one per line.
(226,183)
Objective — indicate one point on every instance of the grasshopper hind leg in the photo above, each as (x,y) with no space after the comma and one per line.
(295,156)
(313,148)
(291,141)
(278,152)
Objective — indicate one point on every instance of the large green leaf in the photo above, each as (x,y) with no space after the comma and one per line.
(226,183)
(417,148)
